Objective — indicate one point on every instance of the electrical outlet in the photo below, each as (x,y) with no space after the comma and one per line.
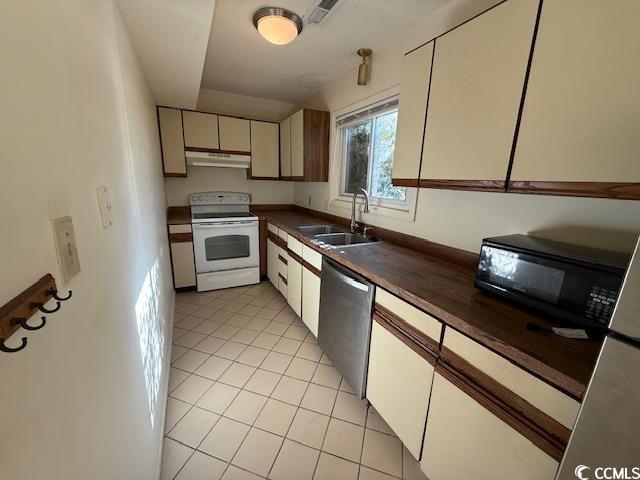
(65,241)
(104,205)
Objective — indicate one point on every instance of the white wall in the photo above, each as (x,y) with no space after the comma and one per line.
(462,219)
(211,179)
(85,399)
(243,105)
(202,179)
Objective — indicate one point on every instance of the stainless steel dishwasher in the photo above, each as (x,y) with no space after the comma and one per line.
(346,301)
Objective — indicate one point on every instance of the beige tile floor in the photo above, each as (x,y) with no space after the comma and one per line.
(251,396)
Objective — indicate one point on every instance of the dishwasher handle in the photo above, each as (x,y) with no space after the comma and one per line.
(348,280)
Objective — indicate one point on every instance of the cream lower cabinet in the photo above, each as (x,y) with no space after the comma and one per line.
(294,285)
(399,384)
(272,262)
(283,272)
(311,300)
(182,258)
(464,439)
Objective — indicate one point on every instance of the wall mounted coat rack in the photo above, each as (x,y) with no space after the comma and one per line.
(16,313)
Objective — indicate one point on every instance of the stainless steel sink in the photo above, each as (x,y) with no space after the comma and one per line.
(343,239)
(314,230)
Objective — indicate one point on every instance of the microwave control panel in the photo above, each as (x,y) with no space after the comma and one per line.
(600,304)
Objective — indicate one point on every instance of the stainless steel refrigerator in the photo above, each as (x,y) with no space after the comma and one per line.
(607,431)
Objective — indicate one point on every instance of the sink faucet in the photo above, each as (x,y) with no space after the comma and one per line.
(365,194)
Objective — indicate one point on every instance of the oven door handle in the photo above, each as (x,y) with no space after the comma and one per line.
(207,226)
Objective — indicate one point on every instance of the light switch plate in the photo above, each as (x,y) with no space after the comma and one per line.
(104,205)
(65,241)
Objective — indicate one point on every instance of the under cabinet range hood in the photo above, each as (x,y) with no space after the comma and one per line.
(218,159)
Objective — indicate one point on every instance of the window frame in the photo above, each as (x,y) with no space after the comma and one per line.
(379,206)
(342,133)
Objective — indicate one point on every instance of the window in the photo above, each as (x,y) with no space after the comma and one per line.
(368,141)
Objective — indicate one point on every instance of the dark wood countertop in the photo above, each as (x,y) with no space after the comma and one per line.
(442,284)
(178,215)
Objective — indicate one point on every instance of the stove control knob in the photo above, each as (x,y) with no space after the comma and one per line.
(201,197)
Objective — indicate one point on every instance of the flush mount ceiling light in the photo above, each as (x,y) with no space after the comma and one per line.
(277,25)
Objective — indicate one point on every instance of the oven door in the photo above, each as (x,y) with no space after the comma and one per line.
(225,246)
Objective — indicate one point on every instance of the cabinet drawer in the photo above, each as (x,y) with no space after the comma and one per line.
(311,256)
(547,399)
(283,235)
(410,314)
(399,384)
(180,228)
(464,439)
(272,228)
(294,245)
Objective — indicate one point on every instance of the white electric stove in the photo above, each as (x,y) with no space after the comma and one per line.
(225,240)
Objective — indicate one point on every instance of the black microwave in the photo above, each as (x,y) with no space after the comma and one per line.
(572,283)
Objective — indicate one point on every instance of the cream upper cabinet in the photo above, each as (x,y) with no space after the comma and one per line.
(200,129)
(398,386)
(463,439)
(297,144)
(476,87)
(582,107)
(172,142)
(264,150)
(234,134)
(412,107)
(285,147)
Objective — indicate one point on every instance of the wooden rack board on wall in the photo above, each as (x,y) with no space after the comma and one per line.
(15,313)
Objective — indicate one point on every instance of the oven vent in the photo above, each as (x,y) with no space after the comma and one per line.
(320,9)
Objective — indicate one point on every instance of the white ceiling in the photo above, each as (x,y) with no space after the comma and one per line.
(240,61)
(170,38)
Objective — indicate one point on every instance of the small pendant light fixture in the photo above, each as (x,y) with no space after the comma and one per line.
(363,69)
(277,25)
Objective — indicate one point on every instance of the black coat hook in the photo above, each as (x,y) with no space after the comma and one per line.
(4,348)
(41,307)
(23,323)
(54,293)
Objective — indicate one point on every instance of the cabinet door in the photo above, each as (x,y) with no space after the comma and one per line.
(285,147)
(172,142)
(476,88)
(297,144)
(294,285)
(398,385)
(184,270)
(234,134)
(310,300)
(264,150)
(463,439)
(412,108)
(582,107)
(200,129)
(272,262)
